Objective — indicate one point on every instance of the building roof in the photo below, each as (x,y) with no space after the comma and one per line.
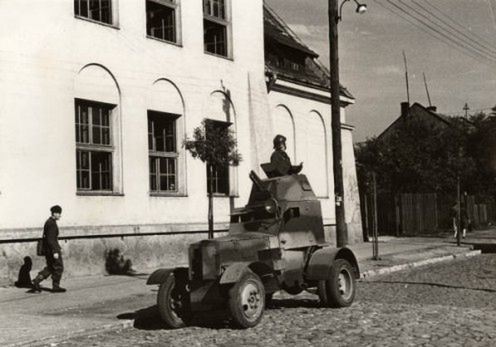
(289,46)
(418,109)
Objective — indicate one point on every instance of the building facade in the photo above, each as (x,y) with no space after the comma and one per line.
(97,99)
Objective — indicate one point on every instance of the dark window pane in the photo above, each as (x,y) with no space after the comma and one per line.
(215,38)
(164,181)
(85,136)
(172,183)
(98,10)
(106,136)
(161,132)
(160,21)
(100,170)
(96,135)
(85,180)
(163,165)
(171,166)
(153,183)
(96,115)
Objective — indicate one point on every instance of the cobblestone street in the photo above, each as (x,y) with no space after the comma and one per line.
(450,304)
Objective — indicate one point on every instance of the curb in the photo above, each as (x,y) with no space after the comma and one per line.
(56,339)
(401,267)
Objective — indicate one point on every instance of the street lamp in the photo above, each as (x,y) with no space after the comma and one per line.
(361,8)
(337,166)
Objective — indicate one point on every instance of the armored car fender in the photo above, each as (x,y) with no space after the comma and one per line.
(320,264)
(160,276)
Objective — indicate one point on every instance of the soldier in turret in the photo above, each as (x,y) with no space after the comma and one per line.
(281,164)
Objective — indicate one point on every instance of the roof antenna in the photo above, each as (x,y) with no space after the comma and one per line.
(427,91)
(406,77)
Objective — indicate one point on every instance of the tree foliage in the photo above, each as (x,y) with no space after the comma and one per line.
(214,145)
(418,157)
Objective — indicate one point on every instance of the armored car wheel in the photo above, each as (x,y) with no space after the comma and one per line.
(247,301)
(172,301)
(340,289)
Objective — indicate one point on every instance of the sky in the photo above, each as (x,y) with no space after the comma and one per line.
(371,49)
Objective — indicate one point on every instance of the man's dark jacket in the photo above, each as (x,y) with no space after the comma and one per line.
(50,235)
(281,164)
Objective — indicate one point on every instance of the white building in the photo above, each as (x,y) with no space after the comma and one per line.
(96,99)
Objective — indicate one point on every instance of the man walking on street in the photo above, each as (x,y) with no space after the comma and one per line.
(52,251)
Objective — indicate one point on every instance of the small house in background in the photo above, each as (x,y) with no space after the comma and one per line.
(417,212)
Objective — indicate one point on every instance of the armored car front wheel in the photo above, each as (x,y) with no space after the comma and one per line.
(340,289)
(247,301)
(172,302)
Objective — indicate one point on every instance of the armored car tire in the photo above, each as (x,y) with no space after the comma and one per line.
(247,301)
(340,289)
(171,302)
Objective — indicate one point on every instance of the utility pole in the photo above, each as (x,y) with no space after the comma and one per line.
(466,108)
(427,91)
(406,79)
(458,212)
(337,165)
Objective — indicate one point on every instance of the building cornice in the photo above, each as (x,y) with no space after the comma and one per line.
(307,92)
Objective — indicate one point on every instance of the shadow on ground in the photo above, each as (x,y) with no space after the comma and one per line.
(149,318)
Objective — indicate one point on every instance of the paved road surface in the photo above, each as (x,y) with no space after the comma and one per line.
(449,304)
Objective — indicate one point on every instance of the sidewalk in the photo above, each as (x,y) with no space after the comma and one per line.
(97,303)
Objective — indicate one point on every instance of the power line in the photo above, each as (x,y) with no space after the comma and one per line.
(446,32)
(432,32)
(491,9)
(459,25)
(475,39)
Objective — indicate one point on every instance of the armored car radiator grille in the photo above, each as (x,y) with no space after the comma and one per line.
(196,264)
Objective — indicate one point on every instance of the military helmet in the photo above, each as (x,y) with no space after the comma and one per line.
(278,140)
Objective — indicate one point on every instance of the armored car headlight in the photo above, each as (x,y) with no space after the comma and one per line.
(271,206)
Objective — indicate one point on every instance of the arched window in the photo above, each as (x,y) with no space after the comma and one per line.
(165,118)
(220,111)
(97,127)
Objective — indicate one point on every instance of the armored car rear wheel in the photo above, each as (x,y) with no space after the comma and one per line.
(172,301)
(247,301)
(340,289)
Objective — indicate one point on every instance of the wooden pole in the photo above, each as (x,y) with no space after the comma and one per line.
(341,230)
(210,202)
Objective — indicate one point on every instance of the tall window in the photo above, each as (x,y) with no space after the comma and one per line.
(161,19)
(220,175)
(93,145)
(97,10)
(162,149)
(215,27)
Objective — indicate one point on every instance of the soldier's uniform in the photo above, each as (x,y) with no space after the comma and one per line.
(280,162)
(51,246)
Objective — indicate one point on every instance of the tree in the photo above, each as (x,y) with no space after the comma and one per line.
(215,145)
(418,157)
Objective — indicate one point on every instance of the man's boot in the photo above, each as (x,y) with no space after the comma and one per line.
(58,289)
(36,283)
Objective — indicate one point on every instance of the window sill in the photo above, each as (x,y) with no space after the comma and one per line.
(113,26)
(177,44)
(220,195)
(97,193)
(219,56)
(162,195)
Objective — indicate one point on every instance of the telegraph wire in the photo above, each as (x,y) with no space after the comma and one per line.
(432,33)
(474,39)
(491,9)
(446,32)
(458,24)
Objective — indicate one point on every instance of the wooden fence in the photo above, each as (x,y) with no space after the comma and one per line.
(413,214)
